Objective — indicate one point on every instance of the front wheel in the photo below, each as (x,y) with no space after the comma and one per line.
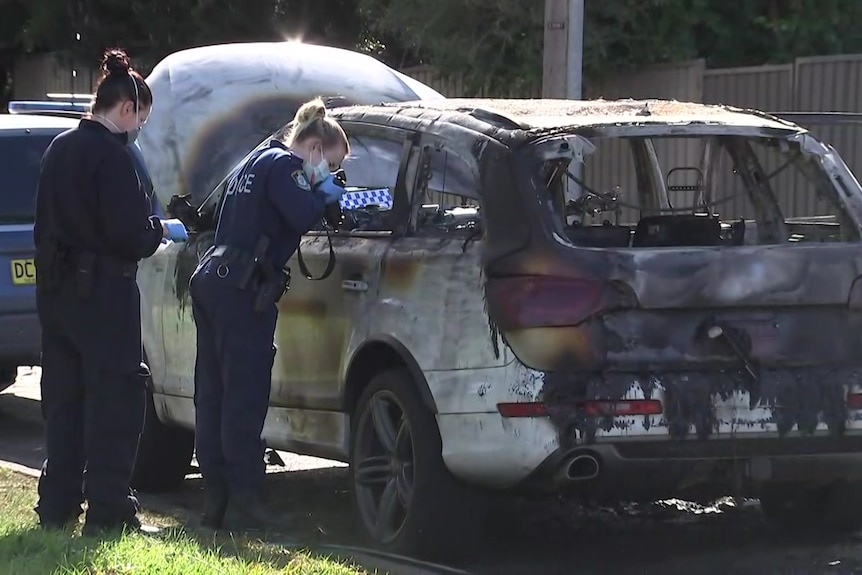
(405,497)
(164,454)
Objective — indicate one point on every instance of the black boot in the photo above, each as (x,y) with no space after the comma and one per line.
(215,504)
(109,528)
(248,512)
(59,523)
(104,521)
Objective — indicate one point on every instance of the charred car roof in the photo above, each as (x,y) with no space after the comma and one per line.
(518,120)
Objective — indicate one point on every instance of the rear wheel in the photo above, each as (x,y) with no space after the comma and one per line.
(836,507)
(164,454)
(405,498)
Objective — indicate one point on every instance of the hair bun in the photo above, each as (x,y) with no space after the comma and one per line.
(115,61)
(310,111)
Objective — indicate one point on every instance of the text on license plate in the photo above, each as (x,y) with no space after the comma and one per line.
(23,272)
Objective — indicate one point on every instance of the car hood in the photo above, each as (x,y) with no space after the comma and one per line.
(215,103)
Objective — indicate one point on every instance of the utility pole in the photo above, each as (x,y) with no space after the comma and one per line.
(563,49)
(563,58)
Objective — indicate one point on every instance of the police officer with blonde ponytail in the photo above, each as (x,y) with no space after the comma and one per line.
(277,196)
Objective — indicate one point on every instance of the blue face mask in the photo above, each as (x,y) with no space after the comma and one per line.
(133,135)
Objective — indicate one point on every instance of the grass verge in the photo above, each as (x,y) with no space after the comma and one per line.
(27,550)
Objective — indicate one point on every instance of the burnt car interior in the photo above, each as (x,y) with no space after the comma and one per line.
(445,199)
(695,192)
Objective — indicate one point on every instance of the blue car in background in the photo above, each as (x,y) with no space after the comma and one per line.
(24,135)
(23,139)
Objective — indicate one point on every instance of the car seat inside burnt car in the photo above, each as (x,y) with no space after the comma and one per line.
(706,191)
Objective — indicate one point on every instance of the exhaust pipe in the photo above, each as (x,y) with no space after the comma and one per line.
(579,468)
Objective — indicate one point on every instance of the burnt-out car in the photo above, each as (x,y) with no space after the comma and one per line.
(626,299)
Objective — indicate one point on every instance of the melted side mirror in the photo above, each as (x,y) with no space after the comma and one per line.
(181,207)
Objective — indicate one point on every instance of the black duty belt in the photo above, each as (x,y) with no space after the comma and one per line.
(231,253)
(240,263)
(230,257)
(113,267)
(246,267)
(98,263)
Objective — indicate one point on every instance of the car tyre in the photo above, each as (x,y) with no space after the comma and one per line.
(406,500)
(835,507)
(164,454)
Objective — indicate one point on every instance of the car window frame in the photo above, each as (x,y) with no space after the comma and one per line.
(400,197)
(428,144)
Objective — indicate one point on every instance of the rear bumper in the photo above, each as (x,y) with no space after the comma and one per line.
(20,339)
(739,467)
(525,453)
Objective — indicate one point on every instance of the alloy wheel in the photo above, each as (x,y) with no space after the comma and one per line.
(383,466)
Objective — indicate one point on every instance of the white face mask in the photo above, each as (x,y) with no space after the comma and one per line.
(317,173)
(132,135)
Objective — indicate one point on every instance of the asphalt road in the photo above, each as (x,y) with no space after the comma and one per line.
(522,536)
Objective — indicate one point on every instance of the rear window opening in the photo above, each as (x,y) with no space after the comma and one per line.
(20,161)
(694,191)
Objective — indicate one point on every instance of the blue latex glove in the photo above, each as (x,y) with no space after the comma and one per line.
(330,189)
(176,230)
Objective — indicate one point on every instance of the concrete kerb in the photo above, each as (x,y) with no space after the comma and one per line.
(374,561)
(18,468)
(386,562)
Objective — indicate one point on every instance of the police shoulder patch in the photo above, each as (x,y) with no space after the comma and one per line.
(301,180)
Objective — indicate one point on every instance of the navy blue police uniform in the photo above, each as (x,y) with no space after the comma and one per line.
(92,227)
(269,205)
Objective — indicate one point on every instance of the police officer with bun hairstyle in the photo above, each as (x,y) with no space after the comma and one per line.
(277,196)
(92,226)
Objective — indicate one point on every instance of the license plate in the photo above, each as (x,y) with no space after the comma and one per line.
(23,272)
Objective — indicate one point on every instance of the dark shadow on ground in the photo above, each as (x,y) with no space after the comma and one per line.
(318,499)
(555,535)
(565,535)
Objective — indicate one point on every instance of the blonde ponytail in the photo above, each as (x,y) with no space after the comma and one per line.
(311,120)
(307,115)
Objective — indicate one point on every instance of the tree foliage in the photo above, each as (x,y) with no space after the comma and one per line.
(483,40)
(490,42)
(151,29)
(502,39)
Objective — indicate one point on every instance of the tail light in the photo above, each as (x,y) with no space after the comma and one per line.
(551,301)
(623,407)
(854,401)
(594,408)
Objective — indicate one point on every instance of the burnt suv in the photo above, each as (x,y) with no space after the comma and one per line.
(629,299)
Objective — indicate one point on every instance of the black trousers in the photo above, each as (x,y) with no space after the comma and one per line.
(93,400)
(233,376)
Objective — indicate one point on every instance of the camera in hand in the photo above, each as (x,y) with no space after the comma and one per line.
(181,208)
(333,215)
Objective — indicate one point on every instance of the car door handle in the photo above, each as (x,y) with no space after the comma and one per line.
(354,285)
